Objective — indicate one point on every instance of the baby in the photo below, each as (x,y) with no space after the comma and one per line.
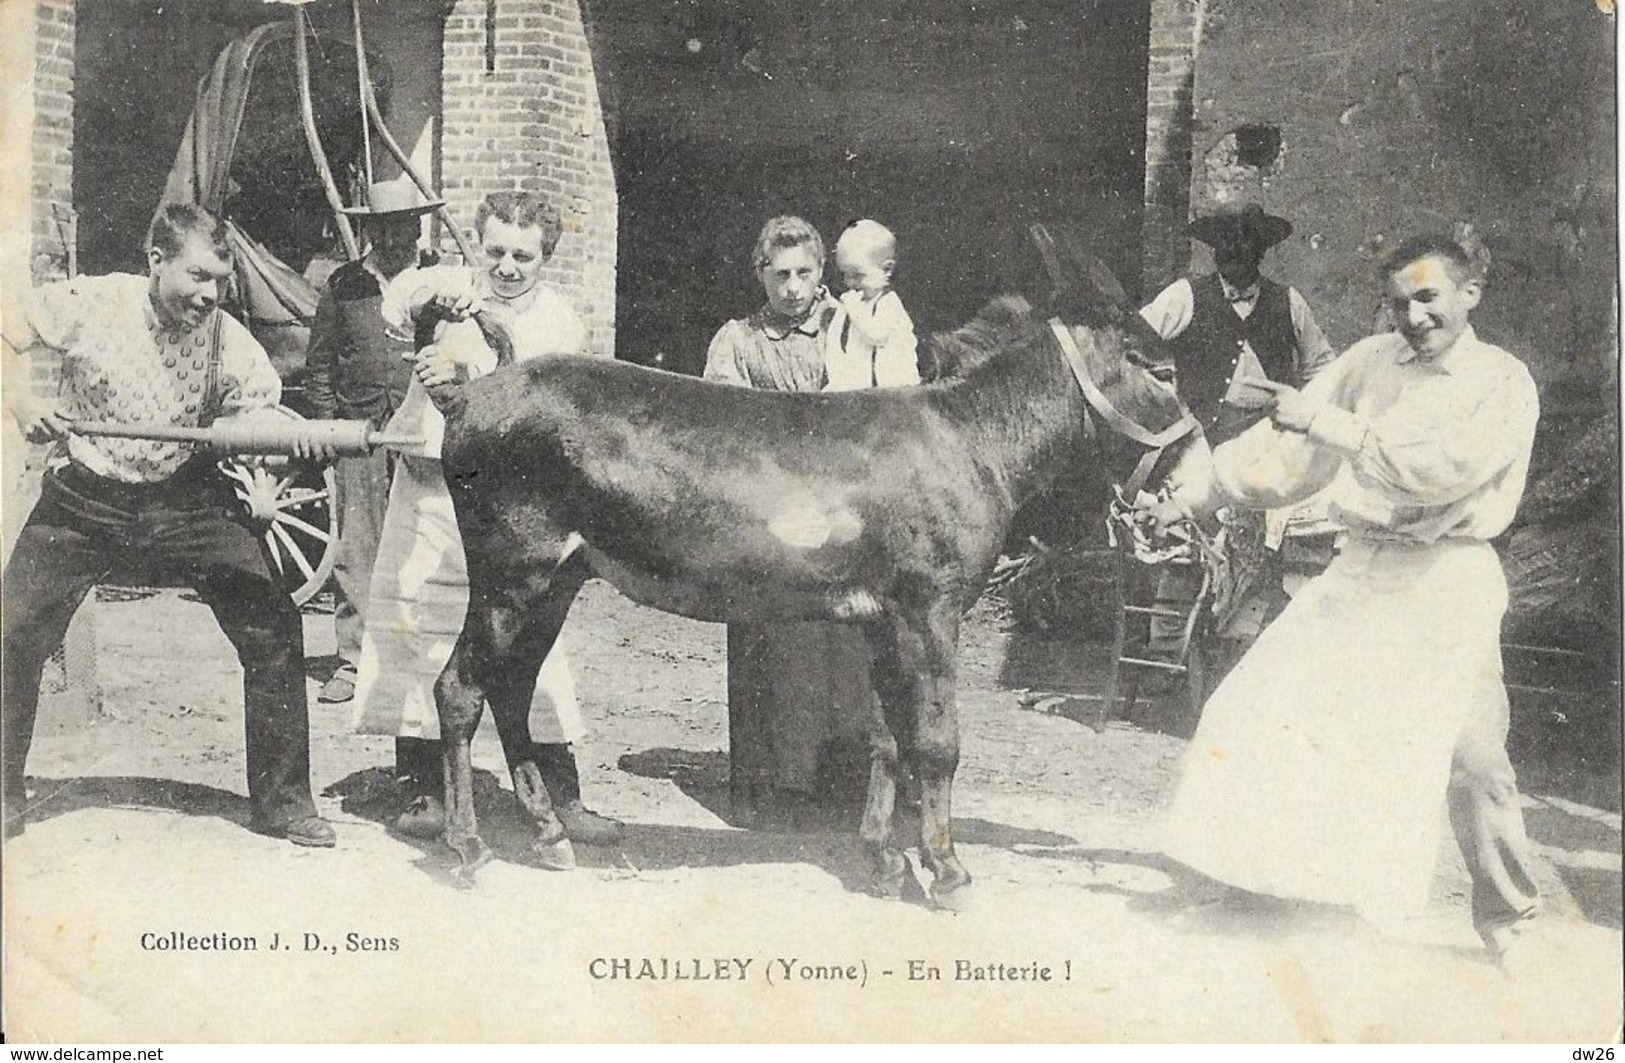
(870,342)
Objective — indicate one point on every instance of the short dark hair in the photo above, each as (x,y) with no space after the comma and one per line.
(786,230)
(175,222)
(524,210)
(1463,266)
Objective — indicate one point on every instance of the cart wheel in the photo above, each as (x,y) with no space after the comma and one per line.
(297,509)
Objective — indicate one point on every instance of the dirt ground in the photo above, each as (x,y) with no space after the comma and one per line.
(141,833)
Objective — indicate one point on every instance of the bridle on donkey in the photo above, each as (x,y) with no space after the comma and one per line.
(1156,443)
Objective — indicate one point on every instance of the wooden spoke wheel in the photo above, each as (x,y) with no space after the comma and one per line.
(296,508)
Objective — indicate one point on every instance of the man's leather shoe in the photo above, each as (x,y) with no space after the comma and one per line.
(1535,943)
(339,687)
(582,824)
(425,817)
(312,832)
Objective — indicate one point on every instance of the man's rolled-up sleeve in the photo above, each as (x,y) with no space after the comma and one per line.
(1432,454)
(1267,467)
(248,381)
(1169,314)
(1315,351)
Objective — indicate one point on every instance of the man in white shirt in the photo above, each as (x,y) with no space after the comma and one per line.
(1320,764)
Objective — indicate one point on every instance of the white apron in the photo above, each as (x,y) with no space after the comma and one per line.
(415,613)
(1319,768)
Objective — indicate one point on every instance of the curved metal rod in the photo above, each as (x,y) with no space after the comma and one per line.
(411,171)
(361,80)
(313,139)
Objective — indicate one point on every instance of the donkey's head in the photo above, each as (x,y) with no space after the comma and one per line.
(1135,411)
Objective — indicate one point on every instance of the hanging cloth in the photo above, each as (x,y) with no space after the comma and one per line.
(277,304)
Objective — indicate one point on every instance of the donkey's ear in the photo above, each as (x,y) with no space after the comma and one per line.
(1114,300)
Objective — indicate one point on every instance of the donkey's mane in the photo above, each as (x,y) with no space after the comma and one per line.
(1006,322)
(1009,326)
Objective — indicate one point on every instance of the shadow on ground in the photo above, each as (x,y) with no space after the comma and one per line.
(1585,853)
(321,668)
(1076,675)
(51,798)
(824,838)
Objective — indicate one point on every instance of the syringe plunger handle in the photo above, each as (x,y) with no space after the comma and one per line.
(346,438)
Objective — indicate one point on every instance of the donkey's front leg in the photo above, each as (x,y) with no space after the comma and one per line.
(935,751)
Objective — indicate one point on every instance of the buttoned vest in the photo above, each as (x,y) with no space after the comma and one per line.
(1207,352)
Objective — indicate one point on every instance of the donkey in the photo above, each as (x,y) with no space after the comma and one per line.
(883,508)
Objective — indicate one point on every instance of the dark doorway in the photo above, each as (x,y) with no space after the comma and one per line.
(137,65)
(955,123)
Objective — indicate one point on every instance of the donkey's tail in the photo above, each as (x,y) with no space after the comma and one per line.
(496,336)
(448,398)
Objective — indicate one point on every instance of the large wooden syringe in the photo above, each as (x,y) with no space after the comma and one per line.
(345,438)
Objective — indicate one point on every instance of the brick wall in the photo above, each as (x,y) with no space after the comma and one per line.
(1176,29)
(51,148)
(52,140)
(41,124)
(530,120)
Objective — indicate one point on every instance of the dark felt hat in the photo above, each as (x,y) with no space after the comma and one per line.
(1224,223)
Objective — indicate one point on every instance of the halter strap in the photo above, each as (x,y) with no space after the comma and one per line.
(1095,399)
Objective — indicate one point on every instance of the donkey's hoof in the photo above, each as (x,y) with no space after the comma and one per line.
(555,855)
(951,890)
(886,889)
(475,855)
(958,899)
(892,873)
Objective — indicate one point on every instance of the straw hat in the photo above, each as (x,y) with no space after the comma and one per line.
(394,199)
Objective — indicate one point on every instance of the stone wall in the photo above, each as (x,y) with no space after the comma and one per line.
(1400,117)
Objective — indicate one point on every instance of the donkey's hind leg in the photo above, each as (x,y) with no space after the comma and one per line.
(460,698)
(530,633)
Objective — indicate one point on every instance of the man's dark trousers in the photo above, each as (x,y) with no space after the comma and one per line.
(84,526)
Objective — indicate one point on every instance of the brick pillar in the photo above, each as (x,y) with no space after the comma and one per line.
(52,137)
(521,112)
(1176,31)
(35,243)
(36,180)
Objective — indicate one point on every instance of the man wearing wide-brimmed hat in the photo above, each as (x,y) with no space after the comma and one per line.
(356,370)
(1229,328)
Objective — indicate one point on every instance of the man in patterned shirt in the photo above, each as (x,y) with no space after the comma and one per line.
(155,350)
